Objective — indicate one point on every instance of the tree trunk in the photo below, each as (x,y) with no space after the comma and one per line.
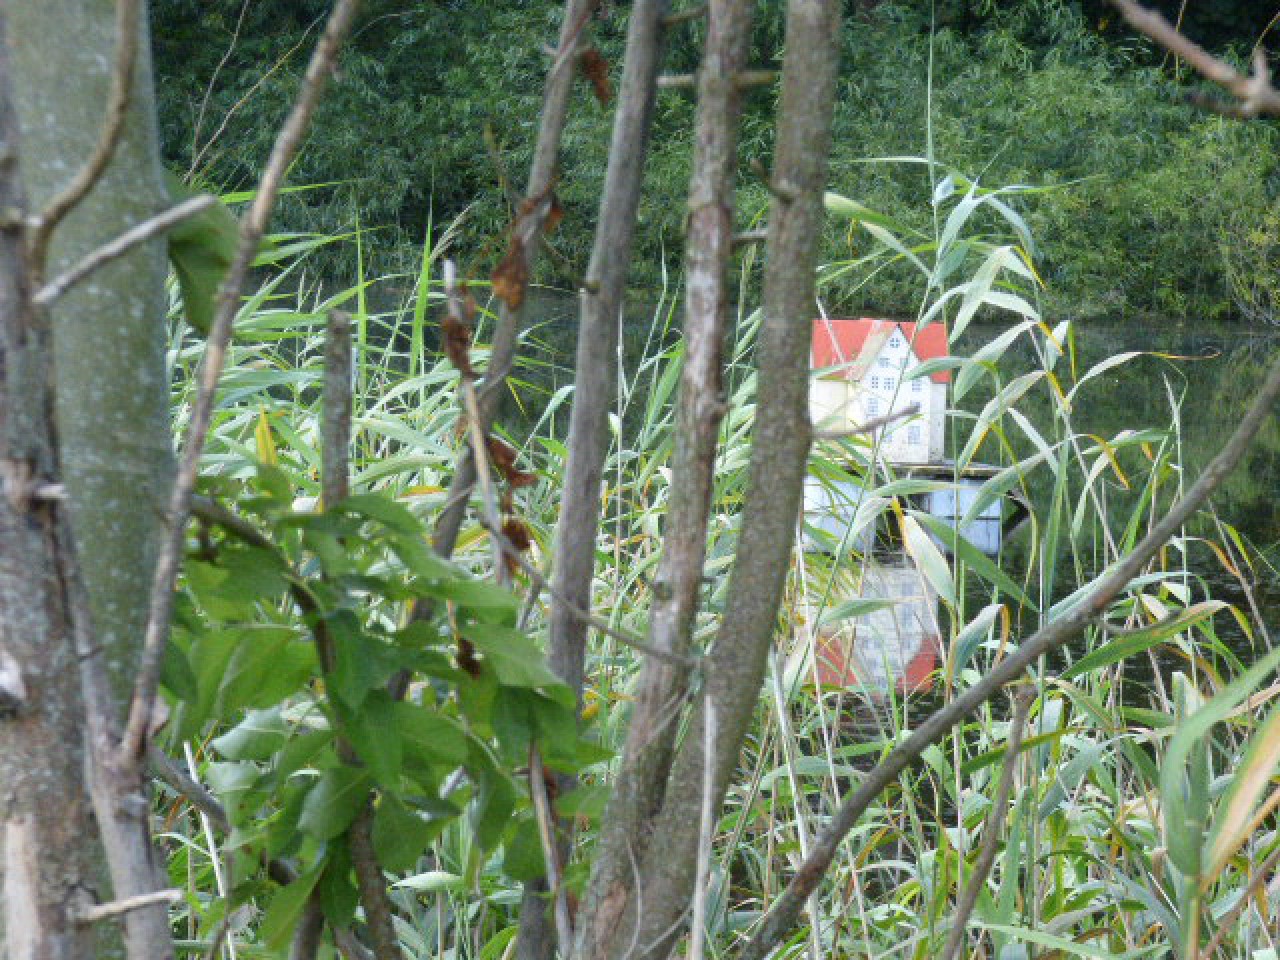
(595,377)
(110,385)
(45,865)
(735,668)
(112,390)
(641,780)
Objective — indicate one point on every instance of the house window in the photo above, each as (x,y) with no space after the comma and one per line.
(873,406)
(913,434)
(884,361)
(917,385)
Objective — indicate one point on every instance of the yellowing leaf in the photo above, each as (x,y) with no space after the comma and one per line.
(265,440)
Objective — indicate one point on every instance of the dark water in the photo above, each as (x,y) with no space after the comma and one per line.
(1210,373)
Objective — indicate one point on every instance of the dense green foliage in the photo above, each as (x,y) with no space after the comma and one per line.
(435,111)
(1082,844)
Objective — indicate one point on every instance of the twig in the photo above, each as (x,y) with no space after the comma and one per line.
(870,426)
(335,452)
(118,96)
(116,908)
(476,426)
(696,12)
(114,249)
(782,915)
(505,340)
(990,829)
(200,798)
(706,831)
(252,228)
(372,883)
(306,935)
(1254,92)
(547,832)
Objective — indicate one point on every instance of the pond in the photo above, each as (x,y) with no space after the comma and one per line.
(1210,372)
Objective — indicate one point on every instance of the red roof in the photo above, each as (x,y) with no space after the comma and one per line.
(838,341)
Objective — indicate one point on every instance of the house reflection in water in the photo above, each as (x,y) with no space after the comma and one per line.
(866,369)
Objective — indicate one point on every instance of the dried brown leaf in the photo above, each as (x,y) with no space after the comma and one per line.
(457,343)
(511,277)
(503,457)
(596,69)
(555,213)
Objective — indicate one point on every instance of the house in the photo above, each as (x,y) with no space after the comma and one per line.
(864,371)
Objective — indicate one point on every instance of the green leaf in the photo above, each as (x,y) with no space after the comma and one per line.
(516,660)
(587,800)
(384,510)
(856,607)
(257,737)
(336,890)
(522,856)
(269,664)
(929,559)
(973,558)
(1183,829)
(486,601)
(300,751)
(557,728)
(433,881)
(1138,641)
(492,807)
(427,733)
(354,671)
(972,634)
(1068,946)
(201,249)
(513,724)
(282,916)
(177,675)
(333,802)
(375,734)
(401,835)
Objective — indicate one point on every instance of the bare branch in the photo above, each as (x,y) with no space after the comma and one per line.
(114,249)
(252,228)
(116,908)
(308,931)
(335,447)
(1254,93)
(779,451)
(642,776)
(782,915)
(546,821)
(502,349)
(991,829)
(372,883)
(127,30)
(870,426)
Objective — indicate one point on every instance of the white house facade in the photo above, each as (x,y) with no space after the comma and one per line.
(867,369)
